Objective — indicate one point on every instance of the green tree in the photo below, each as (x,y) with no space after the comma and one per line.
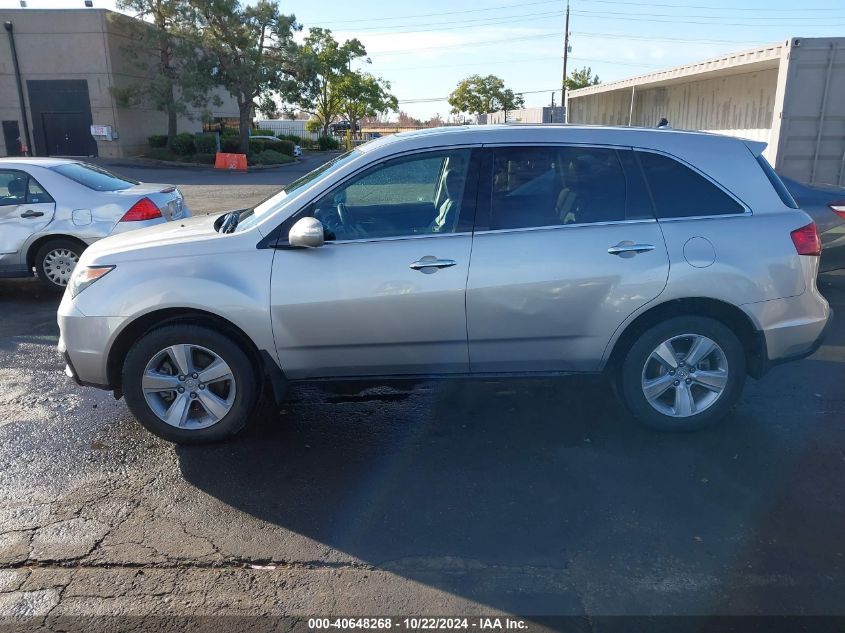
(159,46)
(480,95)
(323,63)
(581,78)
(363,95)
(252,50)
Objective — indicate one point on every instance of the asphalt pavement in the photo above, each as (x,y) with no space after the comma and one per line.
(532,497)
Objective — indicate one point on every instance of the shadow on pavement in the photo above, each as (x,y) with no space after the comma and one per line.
(545,486)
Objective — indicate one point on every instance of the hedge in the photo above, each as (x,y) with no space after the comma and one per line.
(157,140)
(205,144)
(183,144)
(327,142)
(269,157)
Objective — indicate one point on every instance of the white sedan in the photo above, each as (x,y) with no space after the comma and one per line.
(51,209)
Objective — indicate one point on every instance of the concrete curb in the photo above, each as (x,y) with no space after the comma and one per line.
(168,164)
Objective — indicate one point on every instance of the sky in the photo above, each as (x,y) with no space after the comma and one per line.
(425,48)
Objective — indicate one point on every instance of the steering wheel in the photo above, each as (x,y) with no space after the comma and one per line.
(343,216)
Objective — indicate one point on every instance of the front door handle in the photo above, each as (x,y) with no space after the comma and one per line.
(629,249)
(32,214)
(430,264)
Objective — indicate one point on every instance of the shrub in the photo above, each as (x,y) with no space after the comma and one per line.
(327,142)
(183,144)
(207,159)
(285,147)
(205,144)
(229,131)
(157,140)
(230,144)
(293,138)
(306,143)
(160,153)
(261,132)
(256,146)
(269,157)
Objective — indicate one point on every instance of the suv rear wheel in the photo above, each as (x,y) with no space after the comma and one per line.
(189,384)
(683,374)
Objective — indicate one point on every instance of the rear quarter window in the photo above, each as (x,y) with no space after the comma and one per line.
(680,192)
(94,177)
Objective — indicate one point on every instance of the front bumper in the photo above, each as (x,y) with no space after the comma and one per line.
(84,343)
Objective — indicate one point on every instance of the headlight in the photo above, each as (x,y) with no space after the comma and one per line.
(84,276)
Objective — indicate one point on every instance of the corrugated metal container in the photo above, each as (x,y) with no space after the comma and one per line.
(790,95)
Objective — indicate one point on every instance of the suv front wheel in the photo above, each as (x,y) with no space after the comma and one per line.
(683,374)
(189,384)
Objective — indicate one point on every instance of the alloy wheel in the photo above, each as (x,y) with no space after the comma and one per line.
(685,375)
(189,386)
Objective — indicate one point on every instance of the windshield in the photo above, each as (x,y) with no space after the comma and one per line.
(95,178)
(251,217)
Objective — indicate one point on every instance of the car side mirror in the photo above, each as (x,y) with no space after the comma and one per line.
(307,233)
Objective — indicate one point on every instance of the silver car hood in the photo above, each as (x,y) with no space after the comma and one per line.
(181,237)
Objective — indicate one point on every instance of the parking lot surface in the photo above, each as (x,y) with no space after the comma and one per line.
(534,497)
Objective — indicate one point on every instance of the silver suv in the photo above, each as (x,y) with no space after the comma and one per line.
(674,262)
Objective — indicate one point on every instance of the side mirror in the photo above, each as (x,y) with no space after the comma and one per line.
(307,232)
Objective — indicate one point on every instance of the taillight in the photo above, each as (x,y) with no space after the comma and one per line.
(144,209)
(838,208)
(806,240)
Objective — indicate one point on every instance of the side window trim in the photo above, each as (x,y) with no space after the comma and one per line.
(484,205)
(277,238)
(746,209)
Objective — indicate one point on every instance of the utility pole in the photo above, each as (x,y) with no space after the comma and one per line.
(552,111)
(565,54)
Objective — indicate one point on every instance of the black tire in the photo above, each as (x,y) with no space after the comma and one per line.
(631,373)
(247,386)
(51,246)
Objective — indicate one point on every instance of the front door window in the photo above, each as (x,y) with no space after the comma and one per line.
(417,195)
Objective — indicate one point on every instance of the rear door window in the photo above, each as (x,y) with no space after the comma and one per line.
(560,185)
(680,192)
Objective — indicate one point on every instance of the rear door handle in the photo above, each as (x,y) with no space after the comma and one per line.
(629,249)
(430,264)
(32,214)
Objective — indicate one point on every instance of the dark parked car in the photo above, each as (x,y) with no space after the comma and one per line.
(826,205)
(343,126)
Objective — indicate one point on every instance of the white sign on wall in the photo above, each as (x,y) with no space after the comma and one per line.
(102,131)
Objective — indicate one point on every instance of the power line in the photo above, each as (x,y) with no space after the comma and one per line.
(626,36)
(409,51)
(713,7)
(428,15)
(462,24)
(716,18)
(502,62)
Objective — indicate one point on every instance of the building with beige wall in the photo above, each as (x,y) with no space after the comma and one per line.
(790,95)
(69,61)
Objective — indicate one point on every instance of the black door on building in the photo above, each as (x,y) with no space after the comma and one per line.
(12,137)
(61,117)
(66,133)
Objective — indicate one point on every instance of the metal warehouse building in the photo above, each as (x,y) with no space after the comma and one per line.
(69,61)
(790,95)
